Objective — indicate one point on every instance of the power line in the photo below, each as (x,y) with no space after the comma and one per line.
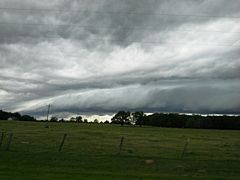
(118,12)
(151,43)
(123,29)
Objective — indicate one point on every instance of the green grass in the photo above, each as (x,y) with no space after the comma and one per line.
(91,152)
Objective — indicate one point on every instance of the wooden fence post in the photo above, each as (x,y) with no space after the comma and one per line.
(62,143)
(9,141)
(185,147)
(120,145)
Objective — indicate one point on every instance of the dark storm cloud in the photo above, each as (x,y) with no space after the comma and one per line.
(103,56)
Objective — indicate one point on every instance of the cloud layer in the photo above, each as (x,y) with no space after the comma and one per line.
(91,56)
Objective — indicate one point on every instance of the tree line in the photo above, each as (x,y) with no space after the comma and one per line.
(175,120)
(15,116)
(171,120)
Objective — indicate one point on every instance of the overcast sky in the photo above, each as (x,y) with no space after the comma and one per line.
(104,56)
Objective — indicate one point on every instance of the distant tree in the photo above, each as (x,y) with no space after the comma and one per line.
(96,121)
(27,118)
(61,120)
(16,116)
(138,118)
(72,119)
(191,121)
(53,119)
(122,118)
(85,121)
(106,122)
(8,115)
(79,119)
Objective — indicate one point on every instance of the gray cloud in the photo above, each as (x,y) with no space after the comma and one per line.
(91,56)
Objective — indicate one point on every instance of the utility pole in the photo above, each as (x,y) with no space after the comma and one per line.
(48,111)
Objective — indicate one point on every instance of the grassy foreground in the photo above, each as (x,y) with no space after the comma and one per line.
(90,151)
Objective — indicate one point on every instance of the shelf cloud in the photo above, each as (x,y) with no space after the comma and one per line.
(101,57)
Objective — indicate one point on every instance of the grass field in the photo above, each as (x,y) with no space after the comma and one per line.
(91,152)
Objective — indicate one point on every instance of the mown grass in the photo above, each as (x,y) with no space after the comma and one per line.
(91,152)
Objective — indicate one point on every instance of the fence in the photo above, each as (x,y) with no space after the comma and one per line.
(99,143)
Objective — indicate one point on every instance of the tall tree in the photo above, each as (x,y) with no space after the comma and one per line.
(122,117)
(79,119)
(138,118)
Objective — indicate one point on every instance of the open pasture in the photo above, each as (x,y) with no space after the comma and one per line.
(91,151)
